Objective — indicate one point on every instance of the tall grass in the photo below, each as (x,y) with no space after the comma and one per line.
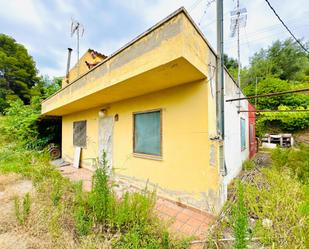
(240,219)
(64,216)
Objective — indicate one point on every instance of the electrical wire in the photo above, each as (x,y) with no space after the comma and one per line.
(229,44)
(300,44)
(194,5)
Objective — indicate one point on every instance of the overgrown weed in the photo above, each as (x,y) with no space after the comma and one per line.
(277,202)
(240,219)
(22,208)
(63,215)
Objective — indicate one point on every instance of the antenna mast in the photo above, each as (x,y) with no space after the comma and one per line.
(238,20)
(78,29)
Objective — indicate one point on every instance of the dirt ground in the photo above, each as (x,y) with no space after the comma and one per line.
(11,235)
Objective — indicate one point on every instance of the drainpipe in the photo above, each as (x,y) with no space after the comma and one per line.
(220,86)
(220,102)
(68,65)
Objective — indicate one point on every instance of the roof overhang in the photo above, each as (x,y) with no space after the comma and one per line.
(176,72)
(169,54)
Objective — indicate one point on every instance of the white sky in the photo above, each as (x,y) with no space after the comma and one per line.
(44,26)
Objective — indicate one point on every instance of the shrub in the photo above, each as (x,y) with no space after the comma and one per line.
(23,124)
(296,160)
(21,121)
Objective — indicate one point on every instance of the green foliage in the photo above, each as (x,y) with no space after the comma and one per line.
(279,197)
(283,59)
(230,63)
(17,71)
(24,124)
(270,85)
(21,121)
(248,165)
(101,199)
(296,160)
(22,210)
(282,66)
(56,192)
(277,200)
(240,219)
(285,121)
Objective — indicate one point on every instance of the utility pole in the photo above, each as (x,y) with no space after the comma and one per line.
(220,70)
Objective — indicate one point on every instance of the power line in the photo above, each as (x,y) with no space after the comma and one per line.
(194,5)
(230,44)
(300,44)
(269,94)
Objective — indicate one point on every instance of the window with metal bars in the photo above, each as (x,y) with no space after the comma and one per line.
(80,133)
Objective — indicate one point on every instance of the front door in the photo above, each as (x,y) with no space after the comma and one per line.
(252,139)
(106,125)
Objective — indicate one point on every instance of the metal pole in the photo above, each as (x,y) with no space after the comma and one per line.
(238,52)
(270,94)
(68,64)
(77,49)
(220,68)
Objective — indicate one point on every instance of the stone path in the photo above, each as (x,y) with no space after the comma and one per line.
(183,220)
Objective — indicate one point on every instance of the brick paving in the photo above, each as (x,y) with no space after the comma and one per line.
(182,220)
(80,174)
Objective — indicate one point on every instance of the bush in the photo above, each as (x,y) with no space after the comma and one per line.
(296,160)
(23,123)
(284,121)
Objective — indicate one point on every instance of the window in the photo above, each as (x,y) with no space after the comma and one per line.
(243,133)
(147,133)
(79,133)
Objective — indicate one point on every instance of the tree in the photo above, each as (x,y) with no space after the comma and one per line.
(18,73)
(271,85)
(230,62)
(285,60)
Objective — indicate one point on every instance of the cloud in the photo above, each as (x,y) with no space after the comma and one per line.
(44,26)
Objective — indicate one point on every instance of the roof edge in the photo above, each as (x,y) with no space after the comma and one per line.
(146,32)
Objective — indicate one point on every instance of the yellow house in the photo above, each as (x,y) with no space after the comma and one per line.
(151,106)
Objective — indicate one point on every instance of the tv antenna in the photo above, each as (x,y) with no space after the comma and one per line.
(238,20)
(78,29)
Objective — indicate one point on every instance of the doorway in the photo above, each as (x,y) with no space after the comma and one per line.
(106,125)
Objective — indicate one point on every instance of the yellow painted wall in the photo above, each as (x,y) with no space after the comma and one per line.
(189,169)
(184,170)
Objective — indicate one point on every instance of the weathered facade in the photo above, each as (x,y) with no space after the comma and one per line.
(151,106)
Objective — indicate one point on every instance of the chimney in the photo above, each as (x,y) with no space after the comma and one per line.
(68,64)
